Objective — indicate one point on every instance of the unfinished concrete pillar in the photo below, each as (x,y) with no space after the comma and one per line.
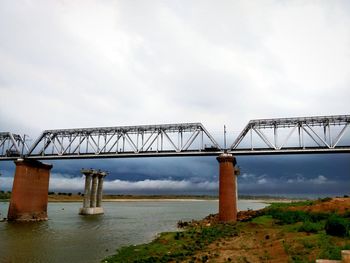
(92,203)
(100,189)
(29,191)
(93,190)
(227,188)
(88,177)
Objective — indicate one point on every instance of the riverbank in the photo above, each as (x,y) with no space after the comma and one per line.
(128,198)
(283,232)
(64,197)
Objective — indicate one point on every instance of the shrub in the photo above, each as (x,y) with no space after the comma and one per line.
(316,217)
(311,227)
(326,199)
(337,226)
(288,217)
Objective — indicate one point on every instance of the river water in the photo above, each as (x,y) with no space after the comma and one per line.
(69,237)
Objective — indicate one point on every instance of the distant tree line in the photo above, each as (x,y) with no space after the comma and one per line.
(5,195)
(63,193)
(60,193)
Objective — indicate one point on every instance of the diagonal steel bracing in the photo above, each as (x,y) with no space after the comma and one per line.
(300,135)
(124,141)
(12,145)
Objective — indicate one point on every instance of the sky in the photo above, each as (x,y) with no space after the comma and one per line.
(67,64)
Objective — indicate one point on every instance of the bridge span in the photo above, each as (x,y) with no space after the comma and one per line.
(321,134)
(306,135)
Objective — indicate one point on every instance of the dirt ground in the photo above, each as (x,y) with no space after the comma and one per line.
(335,205)
(258,243)
(254,244)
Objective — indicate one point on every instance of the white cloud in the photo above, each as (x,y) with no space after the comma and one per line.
(164,185)
(59,182)
(319,180)
(262,181)
(246,176)
(300,179)
(65,182)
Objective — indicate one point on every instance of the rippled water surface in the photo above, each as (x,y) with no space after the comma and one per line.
(69,237)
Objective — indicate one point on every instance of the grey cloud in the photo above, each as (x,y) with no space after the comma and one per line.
(71,64)
(118,63)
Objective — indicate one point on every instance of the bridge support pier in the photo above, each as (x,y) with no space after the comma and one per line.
(92,204)
(227,188)
(29,191)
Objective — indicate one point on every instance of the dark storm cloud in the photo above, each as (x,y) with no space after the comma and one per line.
(273,175)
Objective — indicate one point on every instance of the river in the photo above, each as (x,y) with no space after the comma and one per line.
(69,237)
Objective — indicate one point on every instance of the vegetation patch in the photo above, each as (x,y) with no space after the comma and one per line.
(5,195)
(311,227)
(337,226)
(292,204)
(174,246)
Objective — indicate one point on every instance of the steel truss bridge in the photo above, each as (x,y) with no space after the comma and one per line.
(321,134)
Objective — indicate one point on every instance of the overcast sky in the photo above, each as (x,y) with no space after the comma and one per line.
(66,64)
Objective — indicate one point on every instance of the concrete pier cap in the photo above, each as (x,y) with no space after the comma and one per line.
(227,188)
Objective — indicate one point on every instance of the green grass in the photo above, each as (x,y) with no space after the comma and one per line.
(264,220)
(174,245)
(312,227)
(326,247)
(329,248)
(316,224)
(291,204)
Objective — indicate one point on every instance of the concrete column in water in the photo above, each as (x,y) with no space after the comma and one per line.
(29,191)
(100,189)
(89,205)
(227,188)
(93,190)
(88,175)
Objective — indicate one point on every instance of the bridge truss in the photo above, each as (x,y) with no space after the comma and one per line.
(125,141)
(322,134)
(12,145)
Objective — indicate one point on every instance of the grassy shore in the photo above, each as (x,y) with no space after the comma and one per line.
(294,232)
